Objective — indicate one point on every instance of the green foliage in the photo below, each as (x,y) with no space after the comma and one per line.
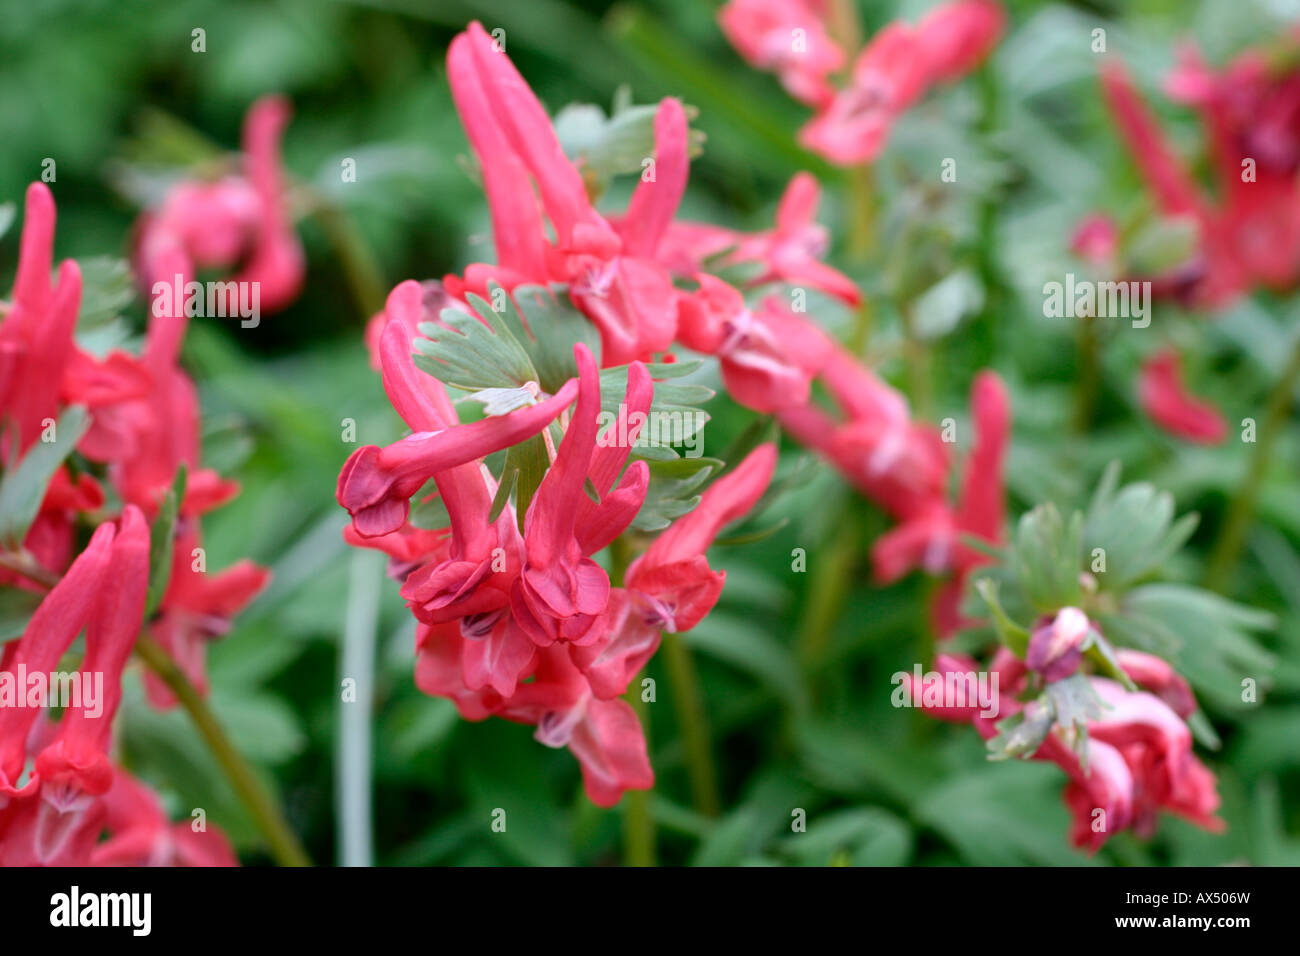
(162,541)
(25,482)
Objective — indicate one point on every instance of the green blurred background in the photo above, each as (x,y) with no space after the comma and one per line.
(795,667)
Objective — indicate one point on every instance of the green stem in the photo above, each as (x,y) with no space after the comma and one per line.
(860,337)
(827,591)
(693,721)
(282,842)
(638,822)
(1232,535)
(1089,377)
(862,213)
(360,270)
(22,562)
(916,358)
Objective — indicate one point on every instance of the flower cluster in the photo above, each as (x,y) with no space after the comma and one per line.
(891,73)
(1127,760)
(238,220)
(127,427)
(1244,236)
(622,276)
(516,618)
(1076,677)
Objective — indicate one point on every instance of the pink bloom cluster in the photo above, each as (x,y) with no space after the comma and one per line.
(240,220)
(896,68)
(1248,232)
(1139,750)
(527,626)
(73,793)
(621,275)
(143,428)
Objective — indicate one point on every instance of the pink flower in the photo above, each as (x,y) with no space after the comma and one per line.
(789,38)
(768,358)
(790,253)
(604,735)
(1139,761)
(196,608)
(671,587)
(561,594)
(1056,645)
(1249,232)
(1167,402)
(674,571)
(57,621)
(1157,746)
(889,75)
(955,38)
(139,833)
(931,530)
(36,335)
(1155,675)
(76,762)
(376,484)
(1096,239)
(1099,797)
(239,220)
(613,274)
(55,818)
(894,70)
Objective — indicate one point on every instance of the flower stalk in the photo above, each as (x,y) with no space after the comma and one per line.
(280,839)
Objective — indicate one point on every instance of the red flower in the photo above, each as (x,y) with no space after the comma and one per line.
(239,220)
(894,70)
(1249,232)
(1167,402)
(613,274)
(789,38)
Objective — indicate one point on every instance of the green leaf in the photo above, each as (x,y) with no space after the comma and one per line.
(1021,734)
(1075,702)
(1161,246)
(604,147)
(939,309)
(866,836)
(428,510)
(672,491)
(552,326)
(728,638)
(476,352)
(525,467)
(23,488)
(1047,558)
(1214,644)
(162,540)
(1135,530)
(1004,815)
(107,287)
(6,217)
(16,608)
(1015,637)
(674,419)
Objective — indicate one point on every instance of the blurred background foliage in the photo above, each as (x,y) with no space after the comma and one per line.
(795,667)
